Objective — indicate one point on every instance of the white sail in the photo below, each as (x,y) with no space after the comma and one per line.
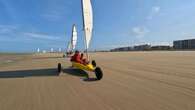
(74,37)
(60,50)
(38,50)
(51,50)
(87,21)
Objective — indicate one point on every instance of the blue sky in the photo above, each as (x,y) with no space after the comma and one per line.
(26,25)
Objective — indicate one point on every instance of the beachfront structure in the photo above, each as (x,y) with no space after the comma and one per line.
(184,44)
(135,48)
(161,47)
(122,49)
(142,47)
(145,47)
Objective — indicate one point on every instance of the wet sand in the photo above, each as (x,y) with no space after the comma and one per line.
(132,81)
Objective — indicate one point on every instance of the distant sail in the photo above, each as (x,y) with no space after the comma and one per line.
(69,48)
(38,50)
(60,49)
(87,21)
(74,37)
(52,50)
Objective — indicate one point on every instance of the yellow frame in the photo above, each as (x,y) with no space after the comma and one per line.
(88,67)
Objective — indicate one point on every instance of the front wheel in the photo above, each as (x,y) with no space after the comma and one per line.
(93,63)
(98,73)
(59,67)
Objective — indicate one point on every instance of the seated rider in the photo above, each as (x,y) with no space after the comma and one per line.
(83,59)
(79,58)
(76,57)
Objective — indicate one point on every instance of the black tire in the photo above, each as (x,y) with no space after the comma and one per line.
(98,73)
(93,63)
(59,67)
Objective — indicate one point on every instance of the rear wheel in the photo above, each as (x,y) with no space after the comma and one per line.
(93,63)
(59,67)
(98,73)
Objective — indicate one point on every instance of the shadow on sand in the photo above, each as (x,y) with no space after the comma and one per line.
(55,57)
(46,72)
(29,73)
(79,73)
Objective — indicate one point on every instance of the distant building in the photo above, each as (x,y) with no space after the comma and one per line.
(184,44)
(122,49)
(135,48)
(142,47)
(145,47)
(160,47)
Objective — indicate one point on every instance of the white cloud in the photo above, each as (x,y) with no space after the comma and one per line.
(40,36)
(161,43)
(114,46)
(140,32)
(53,15)
(7,29)
(12,31)
(154,11)
(56,10)
(186,35)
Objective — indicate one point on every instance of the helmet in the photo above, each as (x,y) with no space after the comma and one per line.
(76,51)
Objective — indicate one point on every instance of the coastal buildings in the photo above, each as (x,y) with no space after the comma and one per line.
(184,44)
